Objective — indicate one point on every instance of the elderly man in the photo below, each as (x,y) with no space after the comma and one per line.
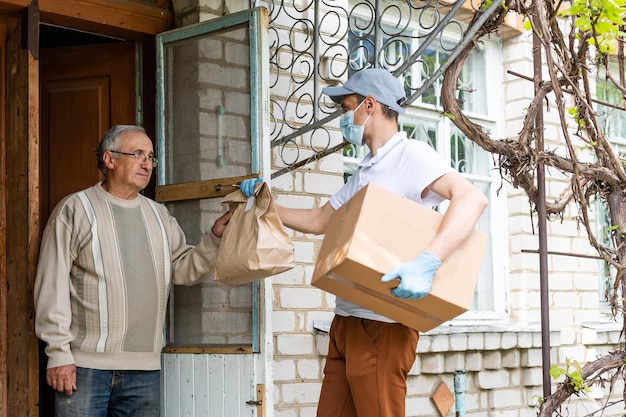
(108,257)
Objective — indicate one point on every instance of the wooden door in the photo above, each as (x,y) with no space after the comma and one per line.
(84,90)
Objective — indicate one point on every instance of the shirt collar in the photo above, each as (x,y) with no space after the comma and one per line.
(384,150)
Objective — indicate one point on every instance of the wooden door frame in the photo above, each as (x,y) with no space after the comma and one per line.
(126,19)
(21,361)
(19,167)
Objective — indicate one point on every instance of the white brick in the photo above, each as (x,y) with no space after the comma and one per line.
(420,406)
(304,251)
(509,340)
(492,379)
(321,183)
(285,413)
(300,298)
(432,364)
(440,343)
(560,317)
(309,369)
(458,342)
(561,282)
(424,343)
(284,370)
(283,321)
(476,341)
(294,276)
(454,362)
(296,201)
(282,183)
(321,344)
(525,339)
(532,358)
(301,393)
(473,361)
(294,344)
(308,411)
(492,360)
(589,336)
(493,341)
(333,163)
(576,353)
(586,282)
(511,359)
(506,398)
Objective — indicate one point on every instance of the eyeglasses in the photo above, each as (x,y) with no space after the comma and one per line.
(139,157)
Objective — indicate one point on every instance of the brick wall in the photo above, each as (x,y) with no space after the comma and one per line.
(502,360)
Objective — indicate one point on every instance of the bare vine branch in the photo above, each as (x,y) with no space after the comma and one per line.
(570,64)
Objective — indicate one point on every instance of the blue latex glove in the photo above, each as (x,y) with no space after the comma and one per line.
(416,277)
(247,186)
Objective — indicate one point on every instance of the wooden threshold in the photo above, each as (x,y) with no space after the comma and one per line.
(235,349)
(198,189)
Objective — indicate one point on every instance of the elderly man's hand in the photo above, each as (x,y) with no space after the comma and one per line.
(220,224)
(62,378)
(247,186)
(416,276)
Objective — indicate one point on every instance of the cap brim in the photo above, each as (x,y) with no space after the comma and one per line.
(336,93)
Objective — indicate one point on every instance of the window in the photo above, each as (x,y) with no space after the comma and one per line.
(474,163)
(612,119)
(423,121)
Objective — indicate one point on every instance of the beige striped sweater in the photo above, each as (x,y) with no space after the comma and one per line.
(105,269)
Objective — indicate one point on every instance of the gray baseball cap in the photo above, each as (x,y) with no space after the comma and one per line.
(375,82)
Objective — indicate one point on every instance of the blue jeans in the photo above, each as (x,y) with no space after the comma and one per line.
(103,393)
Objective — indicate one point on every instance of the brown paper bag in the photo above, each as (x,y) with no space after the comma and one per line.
(255,244)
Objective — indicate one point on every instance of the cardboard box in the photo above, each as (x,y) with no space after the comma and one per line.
(375,232)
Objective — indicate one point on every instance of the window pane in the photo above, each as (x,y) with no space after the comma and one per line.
(207,107)
(472,82)
(484,297)
(613,122)
(612,119)
(466,156)
(431,59)
(424,130)
(603,231)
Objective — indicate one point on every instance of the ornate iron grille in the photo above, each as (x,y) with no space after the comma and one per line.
(320,42)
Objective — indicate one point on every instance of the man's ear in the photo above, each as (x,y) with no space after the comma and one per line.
(370,103)
(107,158)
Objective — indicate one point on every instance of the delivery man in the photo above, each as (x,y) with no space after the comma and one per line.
(369,355)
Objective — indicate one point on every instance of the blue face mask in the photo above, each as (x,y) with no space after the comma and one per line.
(352,133)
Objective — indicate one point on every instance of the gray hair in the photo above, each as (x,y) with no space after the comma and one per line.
(111,141)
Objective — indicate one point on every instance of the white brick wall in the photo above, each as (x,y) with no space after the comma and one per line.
(503,360)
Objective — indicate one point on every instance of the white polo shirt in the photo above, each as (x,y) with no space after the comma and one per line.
(403,166)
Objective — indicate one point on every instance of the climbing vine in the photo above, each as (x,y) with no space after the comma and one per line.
(582,43)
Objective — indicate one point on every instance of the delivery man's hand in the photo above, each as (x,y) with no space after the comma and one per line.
(416,276)
(247,186)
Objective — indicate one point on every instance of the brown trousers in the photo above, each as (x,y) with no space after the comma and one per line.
(366,368)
